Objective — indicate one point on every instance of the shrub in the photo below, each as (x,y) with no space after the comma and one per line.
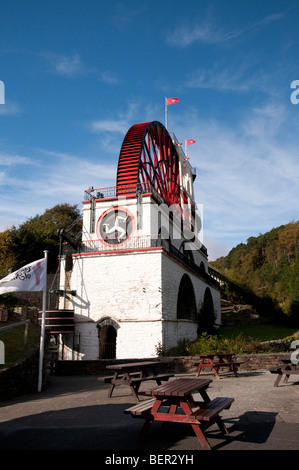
(207,344)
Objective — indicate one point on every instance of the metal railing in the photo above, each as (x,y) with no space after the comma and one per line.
(114,244)
(121,191)
(25,322)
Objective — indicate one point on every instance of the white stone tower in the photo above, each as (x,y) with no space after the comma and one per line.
(139,277)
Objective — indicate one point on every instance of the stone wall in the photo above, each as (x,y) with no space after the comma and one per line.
(22,377)
(251,362)
(260,361)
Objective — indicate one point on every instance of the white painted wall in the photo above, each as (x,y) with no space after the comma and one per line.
(136,289)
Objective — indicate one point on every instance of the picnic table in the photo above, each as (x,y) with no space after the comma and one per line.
(133,374)
(208,361)
(286,368)
(174,402)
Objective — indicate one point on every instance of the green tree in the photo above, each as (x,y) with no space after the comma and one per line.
(8,258)
(40,233)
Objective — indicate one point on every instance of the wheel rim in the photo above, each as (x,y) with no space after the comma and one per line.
(148,159)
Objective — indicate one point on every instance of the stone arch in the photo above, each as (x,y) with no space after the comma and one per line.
(107,334)
(206,320)
(186,303)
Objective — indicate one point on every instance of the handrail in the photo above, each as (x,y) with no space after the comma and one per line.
(121,191)
(25,322)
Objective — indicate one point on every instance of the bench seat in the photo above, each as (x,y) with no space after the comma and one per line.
(141,409)
(152,377)
(283,370)
(208,411)
(275,369)
(135,377)
(108,378)
(212,409)
(218,364)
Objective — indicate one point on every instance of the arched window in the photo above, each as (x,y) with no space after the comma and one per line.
(202,267)
(186,304)
(186,252)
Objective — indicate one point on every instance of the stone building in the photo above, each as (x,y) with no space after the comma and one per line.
(139,277)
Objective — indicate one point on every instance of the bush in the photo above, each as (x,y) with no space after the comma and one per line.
(293,316)
(207,344)
(237,344)
(9,300)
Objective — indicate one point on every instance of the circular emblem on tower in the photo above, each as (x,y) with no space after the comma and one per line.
(116,226)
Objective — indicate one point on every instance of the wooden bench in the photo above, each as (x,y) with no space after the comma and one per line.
(207,411)
(210,410)
(199,418)
(137,381)
(286,369)
(141,409)
(215,366)
(158,378)
(173,403)
(132,374)
(233,366)
(107,379)
(135,378)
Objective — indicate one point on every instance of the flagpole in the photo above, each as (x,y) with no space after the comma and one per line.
(42,336)
(166,113)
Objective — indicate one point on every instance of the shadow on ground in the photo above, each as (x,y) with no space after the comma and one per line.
(106,427)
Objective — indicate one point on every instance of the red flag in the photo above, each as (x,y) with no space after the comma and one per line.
(189,142)
(171,100)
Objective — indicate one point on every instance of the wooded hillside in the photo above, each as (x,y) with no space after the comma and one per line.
(268,265)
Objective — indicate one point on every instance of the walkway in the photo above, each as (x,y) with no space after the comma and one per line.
(74,413)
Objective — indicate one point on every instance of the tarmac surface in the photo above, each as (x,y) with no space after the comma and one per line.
(75,414)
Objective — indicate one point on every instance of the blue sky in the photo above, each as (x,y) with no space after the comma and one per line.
(78,74)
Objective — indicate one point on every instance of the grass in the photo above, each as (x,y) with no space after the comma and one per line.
(13,340)
(258,333)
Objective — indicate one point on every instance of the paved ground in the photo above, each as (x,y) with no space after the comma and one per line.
(74,413)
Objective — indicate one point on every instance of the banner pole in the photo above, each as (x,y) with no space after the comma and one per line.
(166,113)
(42,336)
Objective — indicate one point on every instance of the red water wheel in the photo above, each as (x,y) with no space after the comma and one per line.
(148,159)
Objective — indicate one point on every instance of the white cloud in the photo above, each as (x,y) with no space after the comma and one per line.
(67,66)
(110,77)
(60,178)
(120,125)
(208,32)
(9,108)
(10,160)
(110,125)
(230,78)
(247,176)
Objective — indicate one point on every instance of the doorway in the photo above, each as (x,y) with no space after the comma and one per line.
(107,342)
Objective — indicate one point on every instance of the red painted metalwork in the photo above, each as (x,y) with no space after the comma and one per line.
(148,158)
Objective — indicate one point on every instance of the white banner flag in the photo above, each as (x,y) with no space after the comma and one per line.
(32,277)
